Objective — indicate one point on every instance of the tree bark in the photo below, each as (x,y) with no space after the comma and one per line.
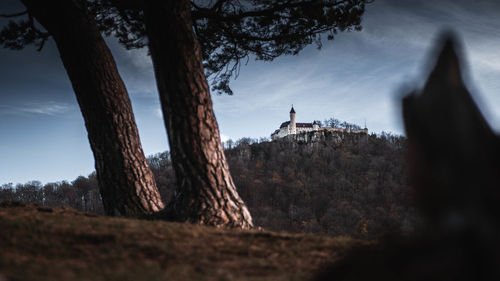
(126,182)
(206,193)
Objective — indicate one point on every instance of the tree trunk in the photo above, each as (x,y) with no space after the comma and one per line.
(205,193)
(126,182)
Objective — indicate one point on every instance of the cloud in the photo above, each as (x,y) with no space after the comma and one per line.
(224,137)
(43,108)
(136,69)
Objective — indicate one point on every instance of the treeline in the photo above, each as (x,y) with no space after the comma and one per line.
(336,123)
(81,194)
(357,188)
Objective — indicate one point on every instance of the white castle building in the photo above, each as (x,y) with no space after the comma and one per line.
(293,128)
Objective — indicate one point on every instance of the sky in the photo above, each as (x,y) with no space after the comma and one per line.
(356,77)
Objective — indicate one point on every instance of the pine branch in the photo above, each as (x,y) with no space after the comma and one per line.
(14,15)
(206,13)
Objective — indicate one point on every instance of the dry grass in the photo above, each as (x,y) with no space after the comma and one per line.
(61,244)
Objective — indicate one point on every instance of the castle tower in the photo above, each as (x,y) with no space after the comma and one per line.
(315,126)
(293,124)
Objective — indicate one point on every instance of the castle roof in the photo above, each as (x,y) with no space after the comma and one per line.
(304,125)
(298,125)
(292,110)
(284,124)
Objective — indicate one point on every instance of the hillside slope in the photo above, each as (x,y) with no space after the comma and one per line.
(39,243)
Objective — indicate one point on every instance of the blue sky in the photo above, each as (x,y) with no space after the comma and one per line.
(357,76)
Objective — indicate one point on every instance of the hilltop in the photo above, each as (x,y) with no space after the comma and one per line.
(40,243)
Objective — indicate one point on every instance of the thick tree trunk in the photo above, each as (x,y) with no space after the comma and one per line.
(206,193)
(125,181)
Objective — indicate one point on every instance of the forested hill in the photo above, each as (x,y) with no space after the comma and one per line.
(358,187)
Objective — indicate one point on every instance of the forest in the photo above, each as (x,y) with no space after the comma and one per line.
(358,187)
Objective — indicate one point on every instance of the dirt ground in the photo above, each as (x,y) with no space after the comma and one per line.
(38,243)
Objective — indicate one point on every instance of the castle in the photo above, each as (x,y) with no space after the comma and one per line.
(292,128)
